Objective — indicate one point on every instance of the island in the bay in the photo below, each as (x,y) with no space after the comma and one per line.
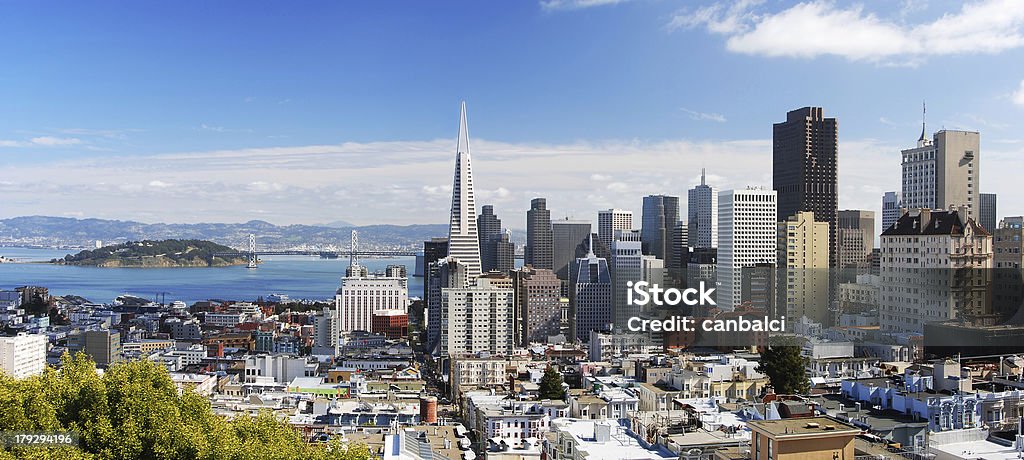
(158,254)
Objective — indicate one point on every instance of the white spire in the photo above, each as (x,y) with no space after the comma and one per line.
(590,245)
(462,232)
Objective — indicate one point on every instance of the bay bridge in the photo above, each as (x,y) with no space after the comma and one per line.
(353,252)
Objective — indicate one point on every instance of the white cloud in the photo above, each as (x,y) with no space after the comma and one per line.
(551,5)
(701,116)
(404,182)
(822,28)
(1018,96)
(54,141)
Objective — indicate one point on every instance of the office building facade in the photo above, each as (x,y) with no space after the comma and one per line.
(747,235)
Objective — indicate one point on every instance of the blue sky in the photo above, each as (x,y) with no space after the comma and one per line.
(306,113)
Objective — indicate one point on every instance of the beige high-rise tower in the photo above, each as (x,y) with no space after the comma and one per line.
(803,262)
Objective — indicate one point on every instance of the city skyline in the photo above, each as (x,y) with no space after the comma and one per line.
(187,148)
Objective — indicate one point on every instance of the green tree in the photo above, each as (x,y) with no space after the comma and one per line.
(784,366)
(134,411)
(551,384)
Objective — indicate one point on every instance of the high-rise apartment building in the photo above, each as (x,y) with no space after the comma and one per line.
(23,355)
(539,251)
(747,235)
(935,266)
(590,297)
(891,204)
(476,319)
(611,220)
(538,294)
(660,216)
(568,237)
(488,228)
(943,172)
(805,167)
(987,211)
(463,242)
(803,268)
(448,273)
(702,215)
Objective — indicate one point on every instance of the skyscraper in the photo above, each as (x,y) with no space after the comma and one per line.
(504,253)
(747,234)
(627,266)
(944,172)
(539,239)
(590,296)
(890,209)
(463,242)
(660,216)
(489,227)
(987,212)
(702,215)
(805,167)
(611,220)
(567,235)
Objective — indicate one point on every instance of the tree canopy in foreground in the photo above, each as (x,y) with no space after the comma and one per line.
(134,411)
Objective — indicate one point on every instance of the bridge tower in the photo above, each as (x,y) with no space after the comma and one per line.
(353,246)
(253,258)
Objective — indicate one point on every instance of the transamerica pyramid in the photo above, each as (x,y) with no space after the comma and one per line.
(463,243)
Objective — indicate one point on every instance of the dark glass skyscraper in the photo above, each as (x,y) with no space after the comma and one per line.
(488,227)
(567,236)
(805,168)
(660,217)
(539,239)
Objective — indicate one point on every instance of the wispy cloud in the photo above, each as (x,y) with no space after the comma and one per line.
(551,5)
(222,129)
(1018,96)
(823,28)
(695,115)
(43,141)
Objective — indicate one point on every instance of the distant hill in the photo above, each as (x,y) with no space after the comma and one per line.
(157,254)
(63,231)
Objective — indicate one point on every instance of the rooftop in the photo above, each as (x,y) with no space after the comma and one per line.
(802,427)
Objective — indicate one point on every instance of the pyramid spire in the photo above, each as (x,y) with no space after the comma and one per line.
(590,247)
(463,242)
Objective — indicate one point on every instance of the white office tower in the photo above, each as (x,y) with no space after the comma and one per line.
(890,209)
(477,318)
(702,215)
(611,220)
(747,234)
(943,172)
(23,355)
(361,296)
(463,241)
(627,266)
